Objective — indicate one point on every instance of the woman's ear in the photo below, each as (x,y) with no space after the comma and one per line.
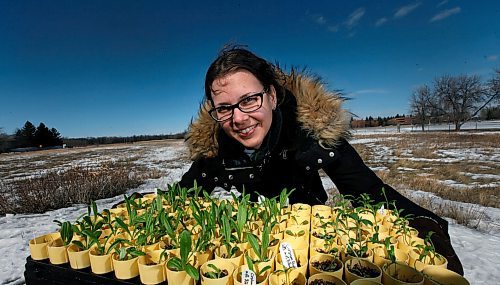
(273,96)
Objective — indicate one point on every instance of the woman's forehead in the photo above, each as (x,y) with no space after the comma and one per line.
(240,81)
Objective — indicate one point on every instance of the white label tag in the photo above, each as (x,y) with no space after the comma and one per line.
(287,256)
(248,277)
(381,210)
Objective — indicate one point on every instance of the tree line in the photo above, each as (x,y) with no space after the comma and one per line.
(456,99)
(30,136)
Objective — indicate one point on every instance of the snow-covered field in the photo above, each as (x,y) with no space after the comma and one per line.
(479,250)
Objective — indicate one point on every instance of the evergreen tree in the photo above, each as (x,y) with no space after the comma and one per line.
(43,136)
(25,137)
(56,138)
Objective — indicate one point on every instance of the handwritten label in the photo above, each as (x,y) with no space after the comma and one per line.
(287,256)
(248,277)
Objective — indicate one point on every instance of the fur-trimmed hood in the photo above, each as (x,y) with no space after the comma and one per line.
(319,112)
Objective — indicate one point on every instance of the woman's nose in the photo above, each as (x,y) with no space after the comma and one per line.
(239,116)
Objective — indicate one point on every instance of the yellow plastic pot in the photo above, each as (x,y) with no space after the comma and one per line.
(178,277)
(100,264)
(38,246)
(57,252)
(78,259)
(326,277)
(401,274)
(125,269)
(151,272)
(324,257)
(351,276)
(440,276)
(222,265)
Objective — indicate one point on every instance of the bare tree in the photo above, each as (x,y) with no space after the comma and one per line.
(493,87)
(421,104)
(461,97)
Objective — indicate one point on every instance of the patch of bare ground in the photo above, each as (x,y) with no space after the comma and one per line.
(461,167)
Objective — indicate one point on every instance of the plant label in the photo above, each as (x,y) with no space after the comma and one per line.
(287,256)
(381,211)
(248,277)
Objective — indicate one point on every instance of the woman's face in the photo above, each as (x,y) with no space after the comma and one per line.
(249,129)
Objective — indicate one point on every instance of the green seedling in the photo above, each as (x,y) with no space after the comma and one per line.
(66,231)
(186,252)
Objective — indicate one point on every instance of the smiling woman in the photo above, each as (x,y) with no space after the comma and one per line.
(261,130)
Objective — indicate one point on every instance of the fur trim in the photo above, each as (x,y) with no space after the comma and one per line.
(319,112)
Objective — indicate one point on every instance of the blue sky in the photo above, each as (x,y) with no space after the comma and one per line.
(116,68)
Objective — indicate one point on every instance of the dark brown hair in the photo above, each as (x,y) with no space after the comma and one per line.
(234,58)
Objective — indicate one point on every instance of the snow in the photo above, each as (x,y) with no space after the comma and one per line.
(477,248)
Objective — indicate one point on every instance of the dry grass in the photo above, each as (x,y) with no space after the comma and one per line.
(456,166)
(36,182)
(57,189)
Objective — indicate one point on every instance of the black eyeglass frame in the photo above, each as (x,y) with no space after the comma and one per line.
(212,112)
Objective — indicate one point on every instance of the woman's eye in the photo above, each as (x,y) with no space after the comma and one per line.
(223,109)
(249,100)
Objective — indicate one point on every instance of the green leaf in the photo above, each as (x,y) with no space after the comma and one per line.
(193,272)
(185,244)
(174,263)
(249,262)
(254,243)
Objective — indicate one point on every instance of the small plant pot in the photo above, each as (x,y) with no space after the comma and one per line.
(100,264)
(408,243)
(151,272)
(325,277)
(78,259)
(380,257)
(353,263)
(125,269)
(438,261)
(236,260)
(439,276)
(299,245)
(261,264)
(301,261)
(321,209)
(301,207)
(280,278)
(261,280)
(224,265)
(38,246)
(57,252)
(178,277)
(401,274)
(324,259)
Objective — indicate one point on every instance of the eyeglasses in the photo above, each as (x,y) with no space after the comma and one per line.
(248,104)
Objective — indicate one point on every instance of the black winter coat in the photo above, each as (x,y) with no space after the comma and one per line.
(308,133)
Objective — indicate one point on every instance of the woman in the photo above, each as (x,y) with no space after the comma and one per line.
(262,130)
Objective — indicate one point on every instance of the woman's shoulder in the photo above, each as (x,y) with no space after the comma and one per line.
(319,111)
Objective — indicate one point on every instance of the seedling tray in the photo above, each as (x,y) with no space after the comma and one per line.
(43,272)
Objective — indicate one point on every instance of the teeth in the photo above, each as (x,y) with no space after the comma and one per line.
(247,130)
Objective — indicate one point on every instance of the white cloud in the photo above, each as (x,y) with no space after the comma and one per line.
(492,57)
(445,14)
(405,10)
(442,3)
(380,22)
(355,17)
(368,91)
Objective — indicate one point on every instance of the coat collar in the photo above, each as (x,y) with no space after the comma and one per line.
(319,113)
